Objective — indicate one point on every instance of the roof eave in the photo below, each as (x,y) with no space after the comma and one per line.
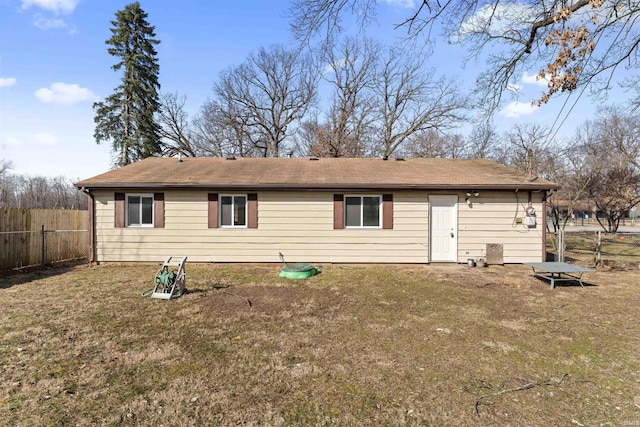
(310,187)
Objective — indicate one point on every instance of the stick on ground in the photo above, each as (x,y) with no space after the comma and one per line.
(526,386)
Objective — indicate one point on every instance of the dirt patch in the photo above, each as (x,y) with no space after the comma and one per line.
(268,300)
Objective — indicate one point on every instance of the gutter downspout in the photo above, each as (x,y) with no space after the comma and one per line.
(92,229)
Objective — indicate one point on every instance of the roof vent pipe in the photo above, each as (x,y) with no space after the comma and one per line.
(179,157)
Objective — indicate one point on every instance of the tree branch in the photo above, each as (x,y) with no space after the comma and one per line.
(526,386)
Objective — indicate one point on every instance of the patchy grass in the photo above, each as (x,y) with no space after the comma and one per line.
(355,345)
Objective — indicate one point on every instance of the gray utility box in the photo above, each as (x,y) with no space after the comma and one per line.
(495,254)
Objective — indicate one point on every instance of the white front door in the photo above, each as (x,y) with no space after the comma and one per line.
(444,228)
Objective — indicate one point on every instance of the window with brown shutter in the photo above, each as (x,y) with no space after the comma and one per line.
(233,210)
(362,211)
(139,210)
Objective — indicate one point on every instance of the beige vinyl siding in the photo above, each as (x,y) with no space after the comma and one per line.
(491,219)
(298,224)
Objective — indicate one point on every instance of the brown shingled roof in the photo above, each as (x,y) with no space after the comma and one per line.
(304,173)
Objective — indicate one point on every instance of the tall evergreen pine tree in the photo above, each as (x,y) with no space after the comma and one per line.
(127,116)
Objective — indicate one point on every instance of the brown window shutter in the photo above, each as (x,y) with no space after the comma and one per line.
(338,211)
(252,210)
(387,211)
(213,210)
(119,210)
(158,210)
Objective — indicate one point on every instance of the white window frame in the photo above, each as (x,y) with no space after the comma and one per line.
(361,196)
(233,203)
(141,195)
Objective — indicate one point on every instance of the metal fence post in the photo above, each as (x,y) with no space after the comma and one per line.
(598,247)
(44,246)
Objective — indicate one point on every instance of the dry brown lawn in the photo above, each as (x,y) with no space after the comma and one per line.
(355,345)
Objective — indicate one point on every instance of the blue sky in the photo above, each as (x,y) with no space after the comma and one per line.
(54,64)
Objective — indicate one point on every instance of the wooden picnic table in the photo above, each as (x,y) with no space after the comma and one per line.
(558,272)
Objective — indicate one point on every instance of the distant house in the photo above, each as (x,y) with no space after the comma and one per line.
(328,210)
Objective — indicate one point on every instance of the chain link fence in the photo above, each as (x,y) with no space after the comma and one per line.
(595,248)
(40,247)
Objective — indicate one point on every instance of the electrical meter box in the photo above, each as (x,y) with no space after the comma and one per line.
(529,221)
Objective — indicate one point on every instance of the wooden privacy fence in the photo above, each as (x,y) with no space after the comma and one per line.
(39,236)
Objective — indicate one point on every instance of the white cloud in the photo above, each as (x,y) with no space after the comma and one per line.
(44,138)
(64,94)
(10,142)
(502,20)
(534,80)
(406,4)
(7,81)
(48,24)
(331,67)
(57,6)
(516,109)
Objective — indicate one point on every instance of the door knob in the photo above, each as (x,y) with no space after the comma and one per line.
(451,234)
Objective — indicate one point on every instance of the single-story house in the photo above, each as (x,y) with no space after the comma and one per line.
(327,210)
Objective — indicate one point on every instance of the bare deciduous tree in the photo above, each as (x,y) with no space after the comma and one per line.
(350,69)
(307,136)
(175,128)
(619,132)
(5,166)
(311,16)
(527,149)
(214,135)
(483,143)
(610,144)
(571,171)
(267,94)
(571,43)
(5,190)
(318,140)
(614,190)
(410,100)
(431,143)
(39,192)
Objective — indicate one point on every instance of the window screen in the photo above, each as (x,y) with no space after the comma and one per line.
(139,210)
(233,211)
(362,211)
